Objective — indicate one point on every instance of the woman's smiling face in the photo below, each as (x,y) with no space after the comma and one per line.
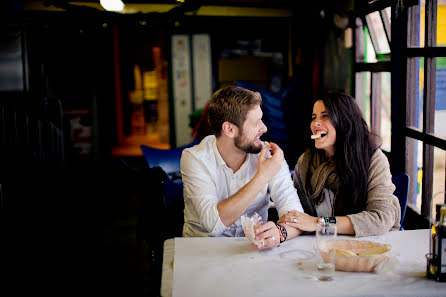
(321,124)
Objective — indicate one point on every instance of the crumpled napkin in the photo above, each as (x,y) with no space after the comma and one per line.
(249,224)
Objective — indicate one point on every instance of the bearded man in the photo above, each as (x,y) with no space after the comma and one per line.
(233,173)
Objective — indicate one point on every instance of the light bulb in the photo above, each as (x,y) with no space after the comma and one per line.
(112,5)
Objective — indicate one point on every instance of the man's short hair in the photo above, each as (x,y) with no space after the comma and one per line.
(231,104)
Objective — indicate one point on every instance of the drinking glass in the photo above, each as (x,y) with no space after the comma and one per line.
(325,263)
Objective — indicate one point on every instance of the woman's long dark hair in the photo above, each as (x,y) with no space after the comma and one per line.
(354,147)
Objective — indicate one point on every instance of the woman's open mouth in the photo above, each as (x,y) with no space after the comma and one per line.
(319,135)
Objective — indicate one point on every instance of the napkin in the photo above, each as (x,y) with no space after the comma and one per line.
(249,224)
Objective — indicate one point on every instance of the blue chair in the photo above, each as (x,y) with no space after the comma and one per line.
(166,159)
(166,164)
(401,182)
(172,192)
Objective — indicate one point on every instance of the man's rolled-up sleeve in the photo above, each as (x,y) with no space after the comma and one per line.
(283,192)
(200,190)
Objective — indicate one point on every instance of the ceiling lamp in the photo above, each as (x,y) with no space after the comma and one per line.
(112,5)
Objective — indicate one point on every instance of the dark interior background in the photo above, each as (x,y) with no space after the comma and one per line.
(69,222)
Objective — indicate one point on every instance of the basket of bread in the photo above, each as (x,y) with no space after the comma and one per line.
(356,255)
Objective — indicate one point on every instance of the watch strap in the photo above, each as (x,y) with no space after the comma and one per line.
(328,220)
(283,232)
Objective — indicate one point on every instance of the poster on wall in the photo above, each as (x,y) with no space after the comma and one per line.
(182,92)
(201,56)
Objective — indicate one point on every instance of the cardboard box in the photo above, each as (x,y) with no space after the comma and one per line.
(246,68)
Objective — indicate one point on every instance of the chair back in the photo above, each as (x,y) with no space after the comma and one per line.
(166,159)
(172,192)
(401,182)
(165,164)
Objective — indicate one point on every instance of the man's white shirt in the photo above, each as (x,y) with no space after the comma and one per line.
(208,180)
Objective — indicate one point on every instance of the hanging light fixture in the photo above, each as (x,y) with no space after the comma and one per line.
(112,5)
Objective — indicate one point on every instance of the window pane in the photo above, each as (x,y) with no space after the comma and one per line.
(420,94)
(370,55)
(421,22)
(362,94)
(385,110)
(441,23)
(388,12)
(416,171)
(414,165)
(387,22)
(438,193)
(359,43)
(376,28)
(415,34)
(440,98)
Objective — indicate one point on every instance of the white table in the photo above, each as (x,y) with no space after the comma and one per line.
(231,267)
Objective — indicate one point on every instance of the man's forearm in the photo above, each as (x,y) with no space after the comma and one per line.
(234,206)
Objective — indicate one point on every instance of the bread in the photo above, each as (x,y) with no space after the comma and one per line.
(355,255)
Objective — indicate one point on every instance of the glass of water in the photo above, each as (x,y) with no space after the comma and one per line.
(325,263)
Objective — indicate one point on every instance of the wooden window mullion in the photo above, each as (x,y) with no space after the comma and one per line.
(429,108)
(375,99)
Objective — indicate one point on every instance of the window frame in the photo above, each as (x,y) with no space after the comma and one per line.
(403,69)
(375,68)
(406,15)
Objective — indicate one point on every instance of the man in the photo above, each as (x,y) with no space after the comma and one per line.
(230,173)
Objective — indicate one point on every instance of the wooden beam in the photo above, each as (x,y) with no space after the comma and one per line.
(374,6)
(375,99)
(374,67)
(429,138)
(429,108)
(412,112)
(426,51)
(398,96)
(204,10)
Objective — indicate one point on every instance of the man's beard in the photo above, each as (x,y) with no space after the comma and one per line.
(249,148)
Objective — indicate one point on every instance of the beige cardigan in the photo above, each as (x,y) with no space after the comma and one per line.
(383,211)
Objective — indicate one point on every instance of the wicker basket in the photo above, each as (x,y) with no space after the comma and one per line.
(354,263)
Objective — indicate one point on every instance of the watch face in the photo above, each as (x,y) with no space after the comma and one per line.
(332,220)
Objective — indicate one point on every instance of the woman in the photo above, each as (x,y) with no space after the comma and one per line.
(345,178)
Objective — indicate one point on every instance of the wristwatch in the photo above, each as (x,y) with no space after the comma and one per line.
(283,233)
(328,220)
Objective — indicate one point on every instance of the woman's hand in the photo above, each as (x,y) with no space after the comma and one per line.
(269,233)
(299,220)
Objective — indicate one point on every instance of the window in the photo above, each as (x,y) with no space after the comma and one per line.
(373,68)
(420,87)
(400,84)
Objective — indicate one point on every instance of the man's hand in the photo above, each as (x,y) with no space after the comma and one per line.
(269,233)
(268,167)
(299,220)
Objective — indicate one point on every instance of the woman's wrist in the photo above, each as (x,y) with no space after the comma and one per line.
(327,220)
(316,221)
